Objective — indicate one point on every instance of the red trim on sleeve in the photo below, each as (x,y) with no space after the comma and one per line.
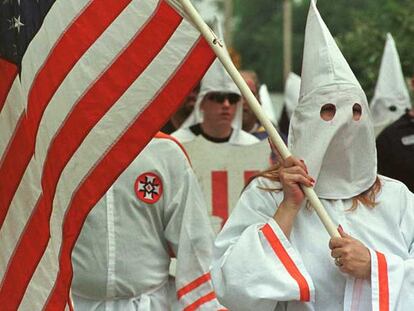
(166,136)
(384,295)
(210,296)
(290,266)
(193,285)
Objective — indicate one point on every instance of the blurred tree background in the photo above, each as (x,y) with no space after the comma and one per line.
(359,27)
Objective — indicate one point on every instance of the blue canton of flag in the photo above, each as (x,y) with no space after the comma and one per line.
(19,22)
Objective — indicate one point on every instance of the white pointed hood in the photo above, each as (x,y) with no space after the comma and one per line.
(340,153)
(216,79)
(391,97)
(323,62)
(292,90)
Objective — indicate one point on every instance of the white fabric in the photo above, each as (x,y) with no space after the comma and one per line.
(121,259)
(391,89)
(216,164)
(248,275)
(216,80)
(292,90)
(237,137)
(343,157)
(154,300)
(323,63)
(269,108)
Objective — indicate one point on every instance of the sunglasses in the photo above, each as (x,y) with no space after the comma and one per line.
(220,97)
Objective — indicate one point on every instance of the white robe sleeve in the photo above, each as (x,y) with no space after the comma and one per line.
(254,265)
(392,277)
(190,236)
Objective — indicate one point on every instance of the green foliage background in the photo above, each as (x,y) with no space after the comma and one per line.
(359,27)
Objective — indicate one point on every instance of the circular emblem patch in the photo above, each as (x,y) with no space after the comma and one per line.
(148,188)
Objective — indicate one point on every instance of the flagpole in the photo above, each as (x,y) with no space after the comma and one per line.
(219,49)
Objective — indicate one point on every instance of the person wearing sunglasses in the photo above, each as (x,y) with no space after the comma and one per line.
(217,114)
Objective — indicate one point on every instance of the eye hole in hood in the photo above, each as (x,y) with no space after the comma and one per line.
(328,112)
(356,112)
(392,108)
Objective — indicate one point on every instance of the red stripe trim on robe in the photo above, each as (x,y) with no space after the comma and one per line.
(287,262)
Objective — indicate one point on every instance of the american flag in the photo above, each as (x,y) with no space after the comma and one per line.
(84,86)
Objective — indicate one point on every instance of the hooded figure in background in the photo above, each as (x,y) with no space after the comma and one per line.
(391,98)
(274,254)
(395,149)
(395,142)
(269,107)
(292,90)
(291,99)
(218,111)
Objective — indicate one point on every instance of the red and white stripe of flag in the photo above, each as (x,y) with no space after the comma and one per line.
(98,81)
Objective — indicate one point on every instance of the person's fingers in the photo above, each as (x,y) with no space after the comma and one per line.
(336,242)
(337,252)
(342,233)
(297,170)
(301,163)
(298,162)
(288,162)
(304,165)
(292,161)
(295,179)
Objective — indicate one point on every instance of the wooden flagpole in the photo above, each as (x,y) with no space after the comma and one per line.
(218,48)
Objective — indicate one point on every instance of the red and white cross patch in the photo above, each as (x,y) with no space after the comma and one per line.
(148,187)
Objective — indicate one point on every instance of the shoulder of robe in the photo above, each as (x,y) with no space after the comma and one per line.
(248,138)
(393,186)
(171,144)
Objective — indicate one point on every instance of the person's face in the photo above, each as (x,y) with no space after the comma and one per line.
(219,108)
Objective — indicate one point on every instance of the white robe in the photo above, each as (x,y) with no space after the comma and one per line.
(238,137)
(255,267)
(122,256)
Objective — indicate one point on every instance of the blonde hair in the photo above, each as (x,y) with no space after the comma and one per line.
(366,198)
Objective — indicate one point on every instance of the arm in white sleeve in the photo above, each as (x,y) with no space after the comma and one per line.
(254,264)
(190,236)
(392,276)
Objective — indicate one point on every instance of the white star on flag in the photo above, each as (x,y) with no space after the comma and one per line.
(16,23)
